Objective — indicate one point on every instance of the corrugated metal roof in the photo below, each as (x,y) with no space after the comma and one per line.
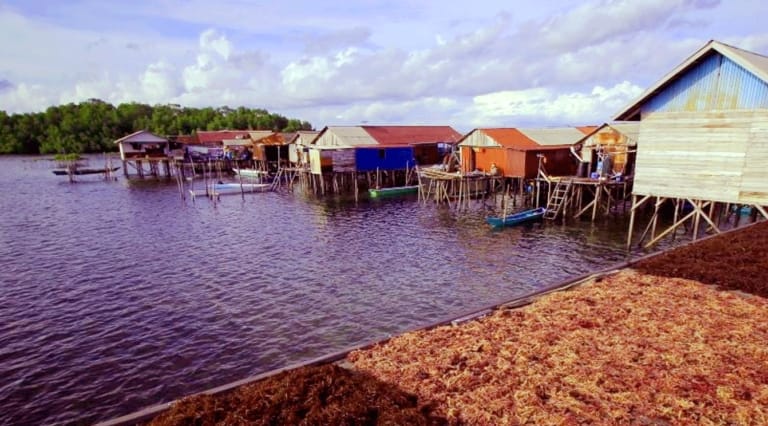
(554,136)
(344,136)
(528,139)
(587,129)
(714,83)
(412,135)
(142,136)
(256,135)
(217,136)
(754,63)
(630,129)
(511,138)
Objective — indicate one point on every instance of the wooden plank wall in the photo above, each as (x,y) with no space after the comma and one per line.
(704,155)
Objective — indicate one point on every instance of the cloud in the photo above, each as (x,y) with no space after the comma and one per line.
(5,85)
(25,97)
(598,21)
(510,108)
(343,38)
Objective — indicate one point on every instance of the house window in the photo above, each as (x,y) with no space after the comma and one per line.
(382,154)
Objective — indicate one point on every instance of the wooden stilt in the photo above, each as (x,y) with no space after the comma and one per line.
(631,220)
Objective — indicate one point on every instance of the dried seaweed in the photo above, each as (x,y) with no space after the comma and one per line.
(737,260)
(632,348)
(325,395)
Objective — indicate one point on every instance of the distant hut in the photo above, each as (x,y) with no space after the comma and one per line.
(271,149)
(518,153)
(609,150)
(144,148)
(210,143)
(703,137)
(298,149)
(379,148)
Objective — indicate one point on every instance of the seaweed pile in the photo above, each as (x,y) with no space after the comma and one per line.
(737,260)
(630,348)
(325,395)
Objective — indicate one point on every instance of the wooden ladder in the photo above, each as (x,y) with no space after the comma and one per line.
(557,199)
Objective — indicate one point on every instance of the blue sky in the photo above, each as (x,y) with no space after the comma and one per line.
(468,64)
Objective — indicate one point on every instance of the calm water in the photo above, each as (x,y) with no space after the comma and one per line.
(118,295)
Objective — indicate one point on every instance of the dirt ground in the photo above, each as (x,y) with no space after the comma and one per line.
(325,395)
(736,261)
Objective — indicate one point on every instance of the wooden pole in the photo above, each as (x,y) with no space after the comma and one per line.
(631,221)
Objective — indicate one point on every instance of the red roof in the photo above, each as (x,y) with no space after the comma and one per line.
(412,135)
(587,130)
(217,136)
(511,138)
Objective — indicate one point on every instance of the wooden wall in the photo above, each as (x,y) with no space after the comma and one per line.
(719,156)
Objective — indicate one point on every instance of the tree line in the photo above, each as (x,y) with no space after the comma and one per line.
(93,125)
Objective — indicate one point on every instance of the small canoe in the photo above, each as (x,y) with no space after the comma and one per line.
(517,218)
(232,188)
(250,173)
(82,171)
(394,191)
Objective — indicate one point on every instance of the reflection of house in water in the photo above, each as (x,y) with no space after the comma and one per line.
(703,141)
(144,152)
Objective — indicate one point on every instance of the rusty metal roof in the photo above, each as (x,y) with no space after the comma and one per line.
(218,136)
(530,139)
(412,135)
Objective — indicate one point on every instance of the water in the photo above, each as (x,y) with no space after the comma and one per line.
(118,295)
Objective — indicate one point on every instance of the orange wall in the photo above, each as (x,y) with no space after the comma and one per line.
(483,157)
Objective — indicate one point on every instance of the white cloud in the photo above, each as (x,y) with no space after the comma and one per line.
(370,61)
(509,108)
(25,97)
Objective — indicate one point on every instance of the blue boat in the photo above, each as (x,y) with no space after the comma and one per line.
(517,218)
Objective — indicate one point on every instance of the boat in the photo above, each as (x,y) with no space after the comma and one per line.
(250,173)
(85,171)
(231,188)
(394,191)
(516,218)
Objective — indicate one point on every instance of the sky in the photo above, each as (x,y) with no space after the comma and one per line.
(468,64)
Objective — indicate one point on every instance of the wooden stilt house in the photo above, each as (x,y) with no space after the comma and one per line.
(144,152)
(298,149)
(610,150)
(381,148)
(518,153)
(703,141)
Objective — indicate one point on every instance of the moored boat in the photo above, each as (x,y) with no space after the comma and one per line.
(394,191)
(85,171)
(250,173)
(516,218)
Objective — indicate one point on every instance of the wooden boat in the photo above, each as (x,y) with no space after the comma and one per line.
(250,173)
(516,218)
(394,191)
(231,188)
(84,171)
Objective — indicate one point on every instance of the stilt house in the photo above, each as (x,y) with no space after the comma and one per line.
(704,134)
(517,152)
(382,148)
(144,145)
(298,150)
(144,148)
(610,150)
